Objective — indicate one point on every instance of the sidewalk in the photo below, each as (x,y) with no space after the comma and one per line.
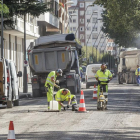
(25,95)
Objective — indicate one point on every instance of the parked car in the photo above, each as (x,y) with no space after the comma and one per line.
(9,93)
(113,73)
(90,74)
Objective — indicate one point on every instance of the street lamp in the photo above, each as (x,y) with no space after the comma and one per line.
(69,2)
(70,18)
(2,29)
(90,36)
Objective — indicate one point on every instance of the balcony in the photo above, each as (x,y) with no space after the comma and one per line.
(50,20)
(18,29)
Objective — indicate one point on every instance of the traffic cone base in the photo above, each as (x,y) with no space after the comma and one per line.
(11,134)
(82,108)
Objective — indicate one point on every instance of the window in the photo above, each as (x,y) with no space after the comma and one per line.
(88,37)
(94,36)
(95,13)
(81,13)
(81,20)
(74,20)
(81,36)
(94,29)
(74,28)
(70,20)
(88,12)
(70,12)
(88,28)
(81,5)
(94,20)
(74,11)
(88,20)
(71,28)
(101,20)
(102,36)
(81,28)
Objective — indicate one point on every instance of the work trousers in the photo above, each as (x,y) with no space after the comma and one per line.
(49,91)
(105,90)
(73,101)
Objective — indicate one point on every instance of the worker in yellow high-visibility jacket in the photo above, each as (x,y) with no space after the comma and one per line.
(50,83)
(137,73)
(103,76)
(65,95)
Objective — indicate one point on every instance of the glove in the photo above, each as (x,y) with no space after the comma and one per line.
(68,106)
(99,81)
(64,108)
(57,86)
(108,81)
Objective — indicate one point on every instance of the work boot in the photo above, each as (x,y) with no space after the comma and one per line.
(74,108)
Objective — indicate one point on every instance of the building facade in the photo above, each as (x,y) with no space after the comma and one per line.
(14,44)
(54,21)
(89,23)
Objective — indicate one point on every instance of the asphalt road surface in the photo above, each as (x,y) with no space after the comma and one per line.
(121,121)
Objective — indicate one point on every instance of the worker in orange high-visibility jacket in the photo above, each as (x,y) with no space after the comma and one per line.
(50,83)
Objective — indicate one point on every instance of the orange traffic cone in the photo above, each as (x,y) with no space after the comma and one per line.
(11,134)
(95,92)
(82,107)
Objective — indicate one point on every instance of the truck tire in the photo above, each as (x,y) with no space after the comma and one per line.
(79,88)
(119,80)
(73,89)
(36,93)
(16,102)
(87,86)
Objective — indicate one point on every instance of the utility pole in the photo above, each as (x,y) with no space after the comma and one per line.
(2,30)
(25,87)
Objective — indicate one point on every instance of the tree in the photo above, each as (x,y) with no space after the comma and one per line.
(5,9)
(23,7)
(121,20)
(109,60)
(90,56)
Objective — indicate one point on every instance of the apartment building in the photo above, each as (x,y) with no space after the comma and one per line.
(89,23)
(111,47)
(13,41)
(54,21)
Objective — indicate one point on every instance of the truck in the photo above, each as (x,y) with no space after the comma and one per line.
(49,53)
(128,61)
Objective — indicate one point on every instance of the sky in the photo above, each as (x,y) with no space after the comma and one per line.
(75,2)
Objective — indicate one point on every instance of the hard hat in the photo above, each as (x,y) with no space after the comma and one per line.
(59,71)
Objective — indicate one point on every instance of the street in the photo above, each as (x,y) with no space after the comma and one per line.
(120,121)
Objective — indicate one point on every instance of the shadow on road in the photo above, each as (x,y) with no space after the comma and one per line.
(132,134)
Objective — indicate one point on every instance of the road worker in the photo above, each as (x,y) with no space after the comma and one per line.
(65,95)
(81,72)
(137,73)
(103,76)
(50,83)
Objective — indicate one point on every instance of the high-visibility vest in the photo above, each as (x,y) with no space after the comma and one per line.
(60,97)
(48,80)
(103,76)
(137,72)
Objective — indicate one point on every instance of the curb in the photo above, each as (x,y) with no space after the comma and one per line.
(25,95)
